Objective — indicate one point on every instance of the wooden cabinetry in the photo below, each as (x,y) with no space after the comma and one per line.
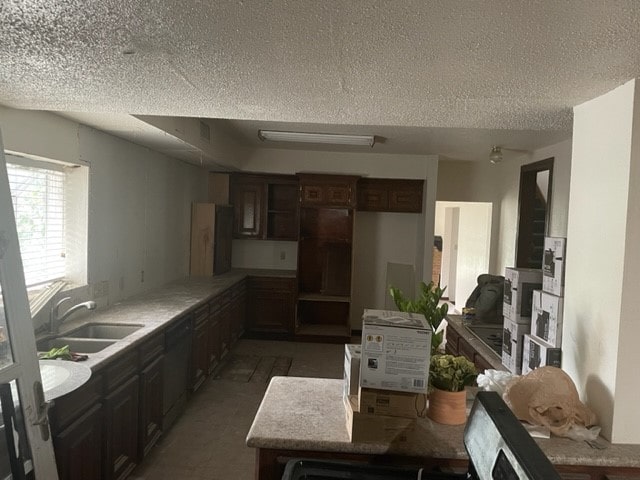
(78,447)
(325,257)
(265,207)
(327,190)
(390,195)
(271,306)
(151,413)
(121,425)
(200,347)
(247,195)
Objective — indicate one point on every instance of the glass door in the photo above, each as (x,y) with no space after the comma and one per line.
(25,444)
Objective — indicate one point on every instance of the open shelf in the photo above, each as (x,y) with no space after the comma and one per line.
(318,297)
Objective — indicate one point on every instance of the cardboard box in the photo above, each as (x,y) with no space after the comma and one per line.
(395,404)
(553,261)
(377,428)
(546,322)
(352,354)
(519,284)
(396,349)
(538,353)
(512,341)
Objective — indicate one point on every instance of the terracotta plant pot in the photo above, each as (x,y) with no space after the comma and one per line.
(448,408)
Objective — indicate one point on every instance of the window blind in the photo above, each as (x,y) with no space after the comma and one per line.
(38,202)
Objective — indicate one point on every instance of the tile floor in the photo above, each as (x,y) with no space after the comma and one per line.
(208,441)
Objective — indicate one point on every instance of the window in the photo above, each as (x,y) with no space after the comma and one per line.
(38,196)
(50,201)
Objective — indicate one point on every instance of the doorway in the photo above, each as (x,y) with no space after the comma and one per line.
(465,228)
(534,200)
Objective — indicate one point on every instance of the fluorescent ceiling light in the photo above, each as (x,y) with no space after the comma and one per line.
(330,138)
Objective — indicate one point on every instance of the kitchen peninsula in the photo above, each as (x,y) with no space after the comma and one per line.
(305,418)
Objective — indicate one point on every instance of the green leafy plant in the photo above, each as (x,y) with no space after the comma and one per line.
(426,303)
(450,373)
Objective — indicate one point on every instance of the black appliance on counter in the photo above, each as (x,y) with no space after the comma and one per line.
(498,446)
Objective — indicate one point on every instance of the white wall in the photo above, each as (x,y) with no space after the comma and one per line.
(264,254)
(474,240)
(370,257)
(139,202)
(499,184)
(601,326)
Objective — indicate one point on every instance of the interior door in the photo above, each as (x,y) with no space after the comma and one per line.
(25,444)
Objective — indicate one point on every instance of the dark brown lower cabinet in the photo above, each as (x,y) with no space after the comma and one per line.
(150,417)
(271,306)
(78,447)
(121,425)
(200,353)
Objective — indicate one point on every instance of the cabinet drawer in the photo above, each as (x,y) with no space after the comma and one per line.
(121,370)
(152,349)
(272,284)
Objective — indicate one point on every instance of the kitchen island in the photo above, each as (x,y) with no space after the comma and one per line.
(305,418)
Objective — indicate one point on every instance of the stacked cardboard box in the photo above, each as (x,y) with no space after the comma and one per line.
(396,348)
(393,376)
(544,342)
(519,284)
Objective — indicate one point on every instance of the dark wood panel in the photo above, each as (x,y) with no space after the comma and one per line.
(151,406)
(390,195)
(70,406)
(270,305)
(121,416)
(152,349)
(199,366)
(333,224)
(78,448)
(327,190)
(121,369)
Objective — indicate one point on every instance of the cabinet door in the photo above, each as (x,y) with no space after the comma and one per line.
(78,447)
(390,195)
(248,198)
(270,305)
(121,415)
(151,391)
(327,190)
(199,354)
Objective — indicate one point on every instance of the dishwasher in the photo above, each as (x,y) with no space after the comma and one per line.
(498,446)
(176,372)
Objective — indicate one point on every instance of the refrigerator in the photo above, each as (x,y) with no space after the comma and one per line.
(211,238)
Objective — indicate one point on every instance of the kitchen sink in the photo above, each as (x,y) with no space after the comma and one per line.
(76,345)
(104,331)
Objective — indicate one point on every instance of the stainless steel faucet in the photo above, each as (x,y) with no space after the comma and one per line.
(57,319)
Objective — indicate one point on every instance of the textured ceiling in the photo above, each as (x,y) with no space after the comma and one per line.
(491,65)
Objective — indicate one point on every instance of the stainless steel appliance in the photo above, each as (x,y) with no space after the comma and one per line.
(499,448)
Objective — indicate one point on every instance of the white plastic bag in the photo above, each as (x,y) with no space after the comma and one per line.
(494,380)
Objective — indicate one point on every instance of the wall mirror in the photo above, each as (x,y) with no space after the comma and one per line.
(534,212)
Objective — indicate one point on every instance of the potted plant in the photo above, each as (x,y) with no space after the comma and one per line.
(448,377)
(426,302)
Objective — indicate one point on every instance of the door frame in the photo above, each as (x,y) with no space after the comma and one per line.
(25,368)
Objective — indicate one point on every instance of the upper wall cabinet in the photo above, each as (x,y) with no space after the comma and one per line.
(337,191)
(248,199)
(265,206)
(390,195)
